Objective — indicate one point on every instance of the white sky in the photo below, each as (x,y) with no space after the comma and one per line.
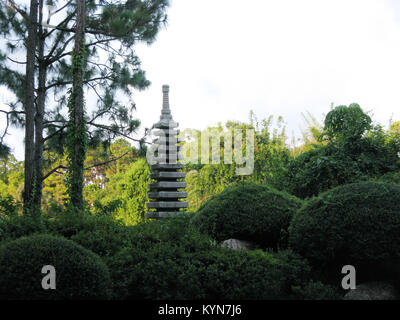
(223,58)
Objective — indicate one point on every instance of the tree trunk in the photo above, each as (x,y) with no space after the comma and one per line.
(41,99)
(77,121)
(29,107)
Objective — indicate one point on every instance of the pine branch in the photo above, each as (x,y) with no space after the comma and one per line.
(6,129)
(19,10)
(106,162)
(66,20)
(55,58)
(8,113)
(58,57)
(63,83)
(115,131)
(52,171)
(54,133)
(87,168)
(15,61)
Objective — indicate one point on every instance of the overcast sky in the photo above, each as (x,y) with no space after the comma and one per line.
(223,58)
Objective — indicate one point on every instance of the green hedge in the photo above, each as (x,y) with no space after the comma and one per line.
(356,224)
(171,259)
(101,234)
(170,272)
(248,212)
(15,226)
(80,274)
(162,259)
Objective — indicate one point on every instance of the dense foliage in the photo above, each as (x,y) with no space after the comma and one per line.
(249,212)
(173,260)
(356,224)
(125,195)
(304,243)
(353,151)
(80,274)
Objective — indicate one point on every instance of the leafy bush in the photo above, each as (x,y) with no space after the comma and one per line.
(346,122)
(391,177)
(248,212)
(179,230)
(249,275)
(356,224)
(105,240)
(101,234)
(9,206)
(125,195)
(155,259)
(353,151)
(172,260)
(15,226)
(80,274)
(316,290)
(166,271)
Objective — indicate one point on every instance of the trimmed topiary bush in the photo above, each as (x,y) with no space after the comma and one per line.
(80,274)
(171,259)
(15,226)
(316,290)
(248,212)
(101,234)
(356,224)
(175,273)
(153,260)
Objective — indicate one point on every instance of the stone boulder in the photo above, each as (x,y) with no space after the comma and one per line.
(236,244)
(373,291)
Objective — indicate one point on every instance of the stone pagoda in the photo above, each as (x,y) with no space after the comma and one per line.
(166,192)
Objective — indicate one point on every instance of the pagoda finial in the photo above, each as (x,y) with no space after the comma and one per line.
(165,107)
(166,120)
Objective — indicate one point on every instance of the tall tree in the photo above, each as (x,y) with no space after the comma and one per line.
(29,105)
(112,30)
(77,126)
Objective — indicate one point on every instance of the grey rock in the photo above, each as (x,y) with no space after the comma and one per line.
(237,244)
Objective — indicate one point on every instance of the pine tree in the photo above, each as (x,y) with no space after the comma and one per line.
(111,66)
(77,127)
(29,107)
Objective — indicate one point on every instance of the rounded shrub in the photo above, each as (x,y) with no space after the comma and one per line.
(248,211)
(356,224)
(101,234)
(16,226)
(316,290)
(171,259)
(80,274)
(175,273)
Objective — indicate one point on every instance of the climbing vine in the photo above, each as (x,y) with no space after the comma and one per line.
(76,136)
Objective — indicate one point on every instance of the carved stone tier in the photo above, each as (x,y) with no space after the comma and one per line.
(162,214)
(167,194)
(167,185)
(167,175)
(168,166)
